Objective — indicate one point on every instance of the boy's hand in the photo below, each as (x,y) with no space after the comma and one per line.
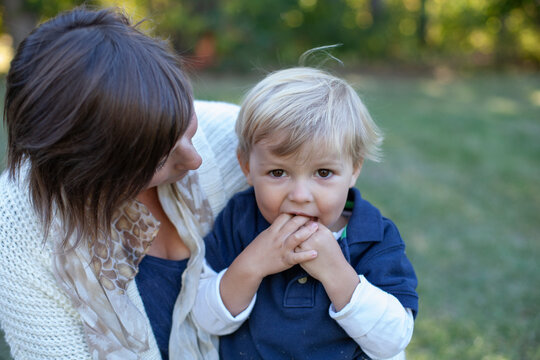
(330,257)
(271,252)
(330,266)
(274,250)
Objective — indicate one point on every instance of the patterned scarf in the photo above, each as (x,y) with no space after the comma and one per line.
(96,277)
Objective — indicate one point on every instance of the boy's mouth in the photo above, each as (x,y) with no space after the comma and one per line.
(312,218)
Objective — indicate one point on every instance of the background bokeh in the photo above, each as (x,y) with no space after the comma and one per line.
(233,34)
(456,88)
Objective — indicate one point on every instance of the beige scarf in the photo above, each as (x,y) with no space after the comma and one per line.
(96,277)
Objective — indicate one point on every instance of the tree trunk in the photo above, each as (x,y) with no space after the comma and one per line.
(376,10)
(422,24)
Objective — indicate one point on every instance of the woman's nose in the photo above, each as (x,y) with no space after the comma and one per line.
(196,160)
(189,158)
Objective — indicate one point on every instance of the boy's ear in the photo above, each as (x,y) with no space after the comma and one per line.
(244,165)
(356,172)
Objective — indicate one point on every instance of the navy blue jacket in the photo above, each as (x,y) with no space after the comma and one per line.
(290,319)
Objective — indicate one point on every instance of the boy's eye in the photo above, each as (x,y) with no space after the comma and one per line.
(324,173)
(277,173)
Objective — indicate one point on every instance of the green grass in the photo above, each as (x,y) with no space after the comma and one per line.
(461,180)
(460,177)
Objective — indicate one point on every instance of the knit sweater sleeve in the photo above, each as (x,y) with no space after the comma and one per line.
(220,175)
(38,319)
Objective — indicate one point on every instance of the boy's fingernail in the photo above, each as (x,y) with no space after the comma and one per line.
(313,225)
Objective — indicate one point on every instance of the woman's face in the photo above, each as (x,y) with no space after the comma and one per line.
(182,158)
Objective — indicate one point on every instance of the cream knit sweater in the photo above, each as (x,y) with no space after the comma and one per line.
(38,319)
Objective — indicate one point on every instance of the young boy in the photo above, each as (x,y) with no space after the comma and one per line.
(307,269)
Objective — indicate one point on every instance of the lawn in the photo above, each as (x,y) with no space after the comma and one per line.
(460,177)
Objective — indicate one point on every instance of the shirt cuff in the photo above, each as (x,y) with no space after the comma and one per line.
(367,305)
(224,313)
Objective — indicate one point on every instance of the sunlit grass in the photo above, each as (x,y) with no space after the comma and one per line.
(460,177)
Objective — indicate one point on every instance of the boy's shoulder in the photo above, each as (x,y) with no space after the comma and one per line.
(377,251)
(235,227)
(241,209)
(244,199)
(247,195)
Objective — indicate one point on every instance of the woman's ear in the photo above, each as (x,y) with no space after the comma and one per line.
(243,160)
(356,172)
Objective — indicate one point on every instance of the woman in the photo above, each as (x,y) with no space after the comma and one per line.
(101,215)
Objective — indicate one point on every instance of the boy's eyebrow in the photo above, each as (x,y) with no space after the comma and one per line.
(331,164)
(322,156)
(323,162)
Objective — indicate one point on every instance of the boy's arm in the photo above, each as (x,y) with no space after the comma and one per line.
(387,291)
(330,267)
(209,311)
(376,320)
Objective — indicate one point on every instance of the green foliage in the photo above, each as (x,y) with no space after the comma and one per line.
(473,32)
(47,8)
(236,34)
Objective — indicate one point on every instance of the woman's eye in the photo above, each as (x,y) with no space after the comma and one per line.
(277,173)
(161,164)
(324,173)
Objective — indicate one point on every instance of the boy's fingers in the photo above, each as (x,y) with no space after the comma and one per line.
(299,236)
(294,258)
(286,224)
(281,220)
(293,225)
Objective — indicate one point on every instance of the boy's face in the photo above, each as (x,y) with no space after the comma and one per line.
(314,186)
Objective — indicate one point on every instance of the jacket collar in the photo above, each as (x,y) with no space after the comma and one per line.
(366,222)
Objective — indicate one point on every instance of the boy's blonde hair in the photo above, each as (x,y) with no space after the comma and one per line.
(304,105)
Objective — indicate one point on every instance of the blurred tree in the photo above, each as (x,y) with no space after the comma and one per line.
(512,21)
(498,31)
(245,33)
(21,16)
(18,20)
(422,24)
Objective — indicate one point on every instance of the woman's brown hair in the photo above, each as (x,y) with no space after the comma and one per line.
(92,106)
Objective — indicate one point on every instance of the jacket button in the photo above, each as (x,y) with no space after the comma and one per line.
(302,280)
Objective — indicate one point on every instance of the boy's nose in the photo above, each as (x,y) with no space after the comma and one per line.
(300,192)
